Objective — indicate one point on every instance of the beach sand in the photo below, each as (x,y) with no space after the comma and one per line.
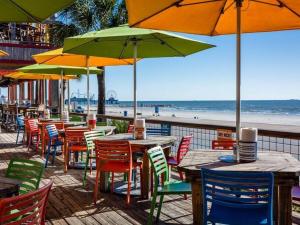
(207,115)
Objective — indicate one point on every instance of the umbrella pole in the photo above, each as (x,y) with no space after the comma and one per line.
(88,84)
(134,82)
(61,94)
(238,71)
(69,96)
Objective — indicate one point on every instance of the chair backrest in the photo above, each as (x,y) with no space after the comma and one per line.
(223,145)
(158,131)
(237,189)
(130,128)
(28,209)
(90,136)
(113,151)
(52,131)
(183,147)
(32,124)
(28,171)
(75,135)
(20,121)
(159,163)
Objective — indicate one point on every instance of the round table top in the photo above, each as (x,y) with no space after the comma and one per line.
(150,140)
(8,187)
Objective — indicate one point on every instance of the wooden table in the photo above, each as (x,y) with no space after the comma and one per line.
(106,129)
(41,126)
(285,167)
(9,187)
(141,146)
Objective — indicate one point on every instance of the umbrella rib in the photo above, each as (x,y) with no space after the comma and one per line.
(280,4)
(24,11)
(217,21)
(294,12)
(156,13)
(123,49)
(171,47)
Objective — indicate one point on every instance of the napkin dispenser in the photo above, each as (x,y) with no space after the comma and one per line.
(140,129)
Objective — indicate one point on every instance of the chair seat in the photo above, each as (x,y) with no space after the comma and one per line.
(117,167)
(175,187)
(172,161)
(57,143)
(78,148)
(238,216)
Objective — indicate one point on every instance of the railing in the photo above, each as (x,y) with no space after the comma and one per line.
(271,137)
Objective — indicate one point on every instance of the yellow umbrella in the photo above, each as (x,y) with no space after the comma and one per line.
(34,76)
(3,53)
(57,57)
(217,17)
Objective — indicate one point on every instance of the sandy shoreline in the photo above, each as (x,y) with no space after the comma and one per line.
(206,115)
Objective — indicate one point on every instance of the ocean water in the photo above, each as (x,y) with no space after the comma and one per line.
(275,107)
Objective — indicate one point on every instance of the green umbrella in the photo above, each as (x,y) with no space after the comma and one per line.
(125,42)
(62,70)
(30,10)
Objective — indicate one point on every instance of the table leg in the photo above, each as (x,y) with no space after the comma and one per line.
(66,156)
(285,204)
(104,182)
(197,202)
(146,177)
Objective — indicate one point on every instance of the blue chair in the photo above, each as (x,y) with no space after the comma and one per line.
(20,126)
(158,131)
(237,197)
(52,143)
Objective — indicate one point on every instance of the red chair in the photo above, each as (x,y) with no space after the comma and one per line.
(223,144)
(27,209)
(130,128)
(75,143)
(183,148)
(115,157)
(32,131)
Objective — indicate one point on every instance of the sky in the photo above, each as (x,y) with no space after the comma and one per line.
(270,70)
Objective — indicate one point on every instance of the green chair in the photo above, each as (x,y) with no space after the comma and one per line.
(89,137)
(28,171)
(160,167)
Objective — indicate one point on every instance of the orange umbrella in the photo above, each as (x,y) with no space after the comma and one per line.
(216,17)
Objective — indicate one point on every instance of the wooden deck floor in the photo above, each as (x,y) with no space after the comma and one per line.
(71,204)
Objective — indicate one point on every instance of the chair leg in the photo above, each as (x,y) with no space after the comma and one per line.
(151,180)
(96,186)
(129,186)
(112,182)
(153,203)
(181,177)
(47,156)
(85,169)
(159,207)
(17,136)
(29,141)
(37,143)
(54,154)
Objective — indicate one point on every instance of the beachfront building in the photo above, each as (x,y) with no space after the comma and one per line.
(21,41)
